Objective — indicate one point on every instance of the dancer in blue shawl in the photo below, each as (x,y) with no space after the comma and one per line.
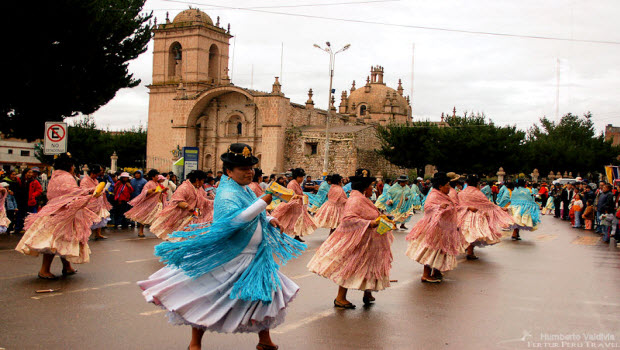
(503,197)
(318,199)
(381,202)
(401,201)
(525,211)
(223,277)
(347,188)
(486,190)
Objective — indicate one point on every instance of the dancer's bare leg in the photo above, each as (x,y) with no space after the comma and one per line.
(195,343)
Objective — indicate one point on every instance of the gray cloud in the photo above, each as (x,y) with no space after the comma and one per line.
(512,80)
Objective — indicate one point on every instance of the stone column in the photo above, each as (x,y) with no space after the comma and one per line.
(551,176)
(85,170)
(535,174)
(113,160)
(500,175)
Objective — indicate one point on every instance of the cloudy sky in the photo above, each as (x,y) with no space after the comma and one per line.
(511,78)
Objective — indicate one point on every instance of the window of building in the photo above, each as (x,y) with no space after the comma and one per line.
(25,153)
(10,151)
(310,148)
(235,126)
(363,110)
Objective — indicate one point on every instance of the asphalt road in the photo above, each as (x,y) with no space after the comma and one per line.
(559,287)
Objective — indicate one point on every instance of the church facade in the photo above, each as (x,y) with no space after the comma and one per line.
(193,103)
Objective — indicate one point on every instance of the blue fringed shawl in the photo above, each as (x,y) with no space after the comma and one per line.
(522,197)
(209,246)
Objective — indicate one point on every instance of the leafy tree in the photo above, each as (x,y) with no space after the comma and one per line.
(75,63)
(570,145)
(471,144)
(88,145)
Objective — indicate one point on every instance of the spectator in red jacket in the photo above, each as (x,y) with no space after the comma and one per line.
(28,191)
(122,195)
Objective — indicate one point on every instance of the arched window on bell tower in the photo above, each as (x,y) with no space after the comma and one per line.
(214,64)
(175,60)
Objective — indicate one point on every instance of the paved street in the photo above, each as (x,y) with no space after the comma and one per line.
(558,282)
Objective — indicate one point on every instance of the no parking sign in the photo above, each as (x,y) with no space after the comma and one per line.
(55,138)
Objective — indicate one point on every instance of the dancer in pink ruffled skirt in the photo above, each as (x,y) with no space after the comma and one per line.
(294,216)
(62,227)
(356,256)
(435,240)
(99,206)
(149,203)
(331,213)
(189,205)
(480,220)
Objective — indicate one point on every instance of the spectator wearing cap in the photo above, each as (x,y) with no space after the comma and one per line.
(122,195)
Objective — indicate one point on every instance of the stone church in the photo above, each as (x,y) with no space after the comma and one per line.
(193,103)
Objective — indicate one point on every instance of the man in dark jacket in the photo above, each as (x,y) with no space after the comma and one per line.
(567,195)
(604,205)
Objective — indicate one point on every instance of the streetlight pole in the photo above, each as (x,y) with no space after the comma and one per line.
(332,63)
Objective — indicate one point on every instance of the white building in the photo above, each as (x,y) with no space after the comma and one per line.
(16,153)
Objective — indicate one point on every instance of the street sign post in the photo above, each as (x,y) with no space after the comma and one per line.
(55,138)
(190,159)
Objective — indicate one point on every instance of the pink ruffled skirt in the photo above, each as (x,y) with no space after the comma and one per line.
(476,229)
(329,215)
(144,213)
(40,239)
(294,218)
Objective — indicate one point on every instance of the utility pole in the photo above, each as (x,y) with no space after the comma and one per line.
(332,62)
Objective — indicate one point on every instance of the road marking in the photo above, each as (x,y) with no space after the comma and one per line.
(303,322)
(298,277)
(115,284)
(587,240)
(140,260)
(149,313)
(546,237)
(19,276)
(135,239)
(322,314)
(601,303)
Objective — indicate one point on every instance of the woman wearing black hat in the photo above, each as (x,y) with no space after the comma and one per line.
(294,216)
(62,227)
(435,241)
(331,212)
(480,220)
(356,256)
(224,277)
(255,184)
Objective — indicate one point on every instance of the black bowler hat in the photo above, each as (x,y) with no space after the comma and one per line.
(403,178)
(239,154)
(362,175)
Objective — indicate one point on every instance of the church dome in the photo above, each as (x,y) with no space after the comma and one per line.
(377,97)
(193,16)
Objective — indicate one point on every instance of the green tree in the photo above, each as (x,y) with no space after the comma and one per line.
(570,145)
(75,63)
(88,145)
(471,144)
